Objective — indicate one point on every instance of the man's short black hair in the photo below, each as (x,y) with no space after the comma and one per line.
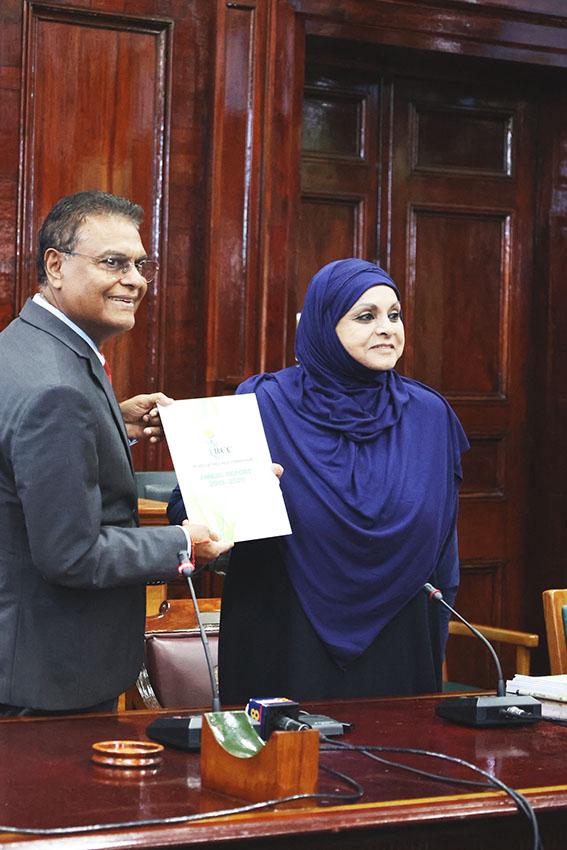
(59,229)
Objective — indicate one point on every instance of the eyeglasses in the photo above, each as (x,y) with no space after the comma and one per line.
(117,266)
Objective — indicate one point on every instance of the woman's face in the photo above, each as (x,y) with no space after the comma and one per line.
(372,331)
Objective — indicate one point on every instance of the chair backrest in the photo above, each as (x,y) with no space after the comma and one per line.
(155,485)
(555,612)
(175,663)
(523,642)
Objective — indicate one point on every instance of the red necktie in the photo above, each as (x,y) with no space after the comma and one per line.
(106,368)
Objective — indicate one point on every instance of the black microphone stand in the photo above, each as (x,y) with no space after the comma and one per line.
(499,710)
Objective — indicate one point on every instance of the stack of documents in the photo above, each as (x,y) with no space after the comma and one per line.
(551,691)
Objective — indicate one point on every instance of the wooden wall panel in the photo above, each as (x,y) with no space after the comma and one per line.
(10,81)
(548,522)
(339,185)
(186,200)
(103,128)
(465,258)
(468,277)
(484,466)
(328,228)
(468,140)
(333,123)
(115,96)
(233,309)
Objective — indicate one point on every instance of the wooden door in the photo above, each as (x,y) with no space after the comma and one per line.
(430,170)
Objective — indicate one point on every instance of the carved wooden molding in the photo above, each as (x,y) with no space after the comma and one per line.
(452,26)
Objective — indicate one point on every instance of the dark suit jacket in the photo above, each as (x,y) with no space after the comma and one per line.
(73,563)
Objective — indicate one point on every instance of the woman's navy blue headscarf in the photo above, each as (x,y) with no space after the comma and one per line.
(372,468)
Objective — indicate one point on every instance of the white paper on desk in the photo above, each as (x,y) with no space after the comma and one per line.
(223,466)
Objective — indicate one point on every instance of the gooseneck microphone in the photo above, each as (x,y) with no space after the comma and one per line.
(185,568)
(435,593)
(499,710)
(184,732)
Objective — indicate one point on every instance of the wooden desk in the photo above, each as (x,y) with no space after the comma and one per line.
(47,779)
(152,512)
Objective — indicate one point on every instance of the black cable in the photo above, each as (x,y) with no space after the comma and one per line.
(516,796)
(325,798)
(521,802)
(436,776)
(348,780)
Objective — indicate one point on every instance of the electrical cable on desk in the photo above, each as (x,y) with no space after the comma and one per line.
(325,798)
(441,777)
(521,802)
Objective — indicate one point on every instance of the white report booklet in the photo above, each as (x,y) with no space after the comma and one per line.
(223,466)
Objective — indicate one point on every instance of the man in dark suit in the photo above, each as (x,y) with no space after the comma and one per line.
(73,561)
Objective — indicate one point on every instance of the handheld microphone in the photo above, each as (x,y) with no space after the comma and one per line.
(499,710)
(184,733)
(286,715)
(275,713)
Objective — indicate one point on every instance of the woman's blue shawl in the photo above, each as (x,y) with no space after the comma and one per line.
(372,466)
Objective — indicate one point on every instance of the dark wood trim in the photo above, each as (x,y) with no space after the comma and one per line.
(495,31)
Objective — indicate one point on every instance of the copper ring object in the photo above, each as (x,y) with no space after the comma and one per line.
(129,754)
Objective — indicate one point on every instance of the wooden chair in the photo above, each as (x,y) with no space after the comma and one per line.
(523,641)
(175,673)
(555,612)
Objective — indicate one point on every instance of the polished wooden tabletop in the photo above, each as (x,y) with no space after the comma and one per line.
(49,780)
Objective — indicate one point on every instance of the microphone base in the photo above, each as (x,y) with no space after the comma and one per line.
(182,732)
(490,710)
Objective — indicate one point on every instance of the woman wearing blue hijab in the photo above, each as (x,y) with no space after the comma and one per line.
(372,466)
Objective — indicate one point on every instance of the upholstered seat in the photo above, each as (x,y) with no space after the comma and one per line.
(175,673)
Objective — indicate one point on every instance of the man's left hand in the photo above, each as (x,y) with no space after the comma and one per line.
(141,416)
